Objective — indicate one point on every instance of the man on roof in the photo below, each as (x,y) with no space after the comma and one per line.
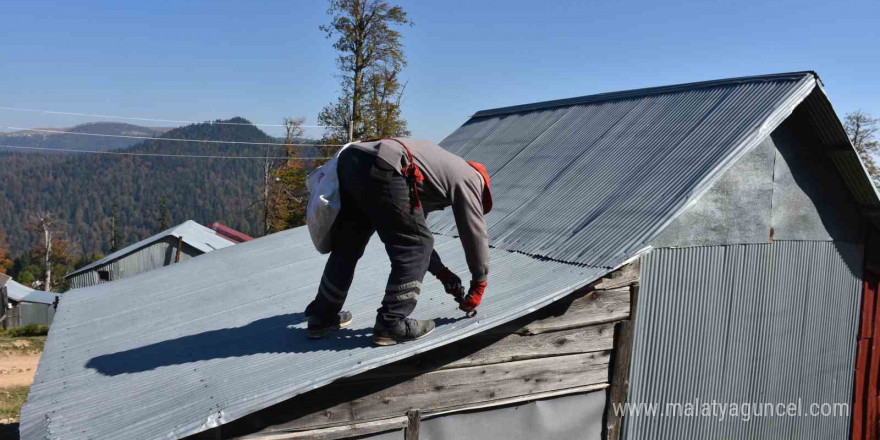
(389,186)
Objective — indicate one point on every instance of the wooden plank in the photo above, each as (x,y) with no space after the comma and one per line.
(873,371)
(518,399)
(335,432)
(621,277)
(488,348)
(859,392)
(517,347)
(414,418)
(617,392)
(588,309)
(444,389)
(867,322)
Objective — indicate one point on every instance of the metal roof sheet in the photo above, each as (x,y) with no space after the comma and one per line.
(579,188)
(592,180)
(23,293)
(192,233)
(223,335)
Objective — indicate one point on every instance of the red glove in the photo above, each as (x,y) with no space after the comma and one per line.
(451,282)
(474,296)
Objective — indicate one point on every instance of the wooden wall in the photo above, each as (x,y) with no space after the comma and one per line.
(568,347)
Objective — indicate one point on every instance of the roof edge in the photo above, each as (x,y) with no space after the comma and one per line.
(641,92)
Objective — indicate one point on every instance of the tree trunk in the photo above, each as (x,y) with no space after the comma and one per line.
(267,168)
(48,237)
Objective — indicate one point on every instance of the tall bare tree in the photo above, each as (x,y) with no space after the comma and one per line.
(862,129)
(368,44)
(44,224)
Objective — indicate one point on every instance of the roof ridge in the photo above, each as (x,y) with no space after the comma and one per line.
(646,91)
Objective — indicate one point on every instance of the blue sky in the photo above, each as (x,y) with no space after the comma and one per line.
(198,60)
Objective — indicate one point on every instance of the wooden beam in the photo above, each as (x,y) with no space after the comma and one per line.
(452,388)
(517,347)
(592,308)
(621,277)
(414,418)
(335,432)
(487,348)
(518,399)
(617,392)
(179,246)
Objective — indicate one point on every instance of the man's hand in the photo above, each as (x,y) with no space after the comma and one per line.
(474,296)
(451,282)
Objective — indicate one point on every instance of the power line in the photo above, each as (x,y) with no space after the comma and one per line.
(41,130)
(131,118)
(125,153)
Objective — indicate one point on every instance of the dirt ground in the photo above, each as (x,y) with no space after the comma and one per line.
(18,364)
(18,368)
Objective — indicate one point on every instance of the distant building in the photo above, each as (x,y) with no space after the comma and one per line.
(182,242)
(22,305)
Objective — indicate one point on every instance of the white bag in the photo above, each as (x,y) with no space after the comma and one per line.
(324,203)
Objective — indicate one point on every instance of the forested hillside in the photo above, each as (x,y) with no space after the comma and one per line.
(83,189)
(27,138)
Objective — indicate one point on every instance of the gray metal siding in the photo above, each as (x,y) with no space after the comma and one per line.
(40,314)
(574,417)
(746,324)
(785,185)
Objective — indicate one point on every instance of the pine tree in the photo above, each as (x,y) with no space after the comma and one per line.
(115,230)
(164,215)
(370,60)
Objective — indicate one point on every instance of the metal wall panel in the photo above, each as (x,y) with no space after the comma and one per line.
(574,417)
(746,324)
(39,314)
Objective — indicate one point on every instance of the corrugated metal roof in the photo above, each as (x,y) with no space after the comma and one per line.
(592,180)
(212,343)
(192,233)
(579,187)
(22,293)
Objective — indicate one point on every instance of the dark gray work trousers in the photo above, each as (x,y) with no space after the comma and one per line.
(375,198)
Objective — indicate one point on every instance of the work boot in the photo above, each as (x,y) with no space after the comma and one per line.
(404,330)
(318,328)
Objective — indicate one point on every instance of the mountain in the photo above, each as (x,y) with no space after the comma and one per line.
(29,138)
(82,189)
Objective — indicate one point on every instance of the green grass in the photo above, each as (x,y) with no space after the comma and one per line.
(28,330)
(27,345)
(11,400)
